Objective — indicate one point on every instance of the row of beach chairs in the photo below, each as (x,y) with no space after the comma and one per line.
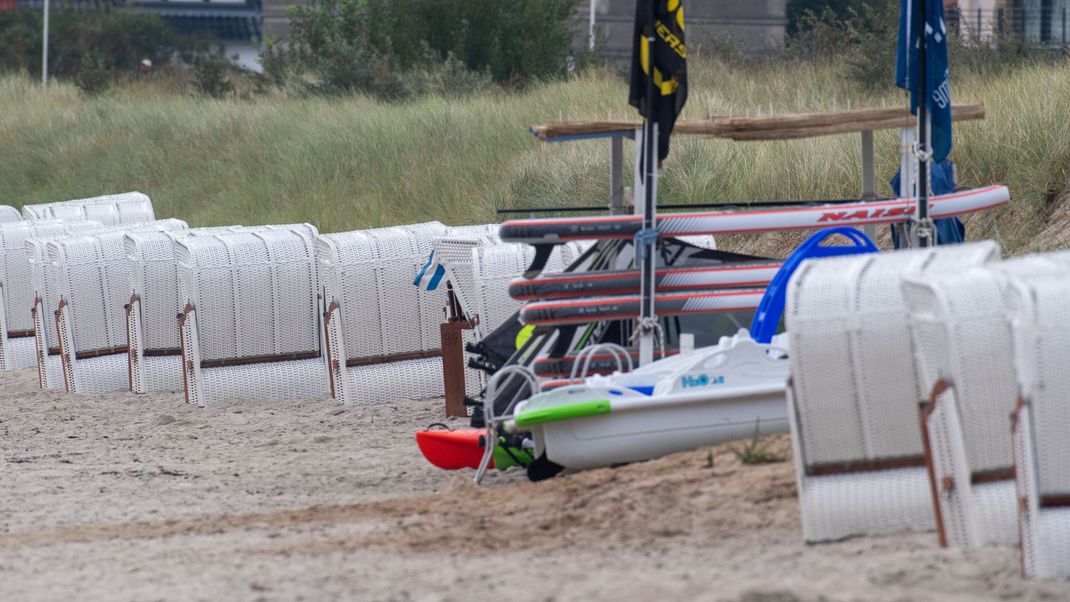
(928,392)
(927,387)
(99,296)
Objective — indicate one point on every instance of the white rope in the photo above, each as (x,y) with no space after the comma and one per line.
(923,154)
(645,325)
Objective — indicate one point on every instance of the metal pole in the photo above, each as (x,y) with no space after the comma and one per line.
(44,49)
(907,178)
(616,175)
(907,164)
(590,26)
(869,186)
(923,230)
(647,253)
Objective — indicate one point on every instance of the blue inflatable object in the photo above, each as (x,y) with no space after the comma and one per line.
(771,308)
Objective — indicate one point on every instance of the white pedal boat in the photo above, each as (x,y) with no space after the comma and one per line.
(706,397)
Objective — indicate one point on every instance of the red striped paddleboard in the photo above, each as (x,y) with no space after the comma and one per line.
(561,367)
(574,285)
(552,231)
(582,311)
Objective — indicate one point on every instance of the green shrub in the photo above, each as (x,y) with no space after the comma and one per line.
(211,74)
(756,450)
(278,69)
(799,10)
(725,49)
(95,73)
(866,36)
(450,77)
(387,48)
(20,40)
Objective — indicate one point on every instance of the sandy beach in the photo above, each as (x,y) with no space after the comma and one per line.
(131,497)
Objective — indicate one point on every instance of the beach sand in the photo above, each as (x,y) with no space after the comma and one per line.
(143,497)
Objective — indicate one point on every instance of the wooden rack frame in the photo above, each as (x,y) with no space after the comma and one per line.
(770,127)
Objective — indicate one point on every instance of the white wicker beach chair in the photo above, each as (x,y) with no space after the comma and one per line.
(155,354)
(854,392)
(383,336)
(964,352)
(92,281)
(479,269)
(110,210)
(9,214)
(454,254)
(1040,319)
(46,341)
(16,286)
(474,231)
(250,327)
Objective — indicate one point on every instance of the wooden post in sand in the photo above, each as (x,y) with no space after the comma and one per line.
(451,334)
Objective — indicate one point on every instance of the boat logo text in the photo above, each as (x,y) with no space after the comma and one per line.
(702,380)
(866,214)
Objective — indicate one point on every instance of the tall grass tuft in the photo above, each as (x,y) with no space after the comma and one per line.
(353,162)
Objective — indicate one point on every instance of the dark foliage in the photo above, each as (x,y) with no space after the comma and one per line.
(386,47)
(92,48)
(864,36)
(211,74)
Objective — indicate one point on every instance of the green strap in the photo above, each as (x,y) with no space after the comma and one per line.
(571,411)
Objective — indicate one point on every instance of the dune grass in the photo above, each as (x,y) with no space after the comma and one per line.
(345,163)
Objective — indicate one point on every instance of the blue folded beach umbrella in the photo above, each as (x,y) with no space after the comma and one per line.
(922,21)
(921,68)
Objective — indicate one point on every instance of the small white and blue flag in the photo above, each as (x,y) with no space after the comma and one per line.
(429,276)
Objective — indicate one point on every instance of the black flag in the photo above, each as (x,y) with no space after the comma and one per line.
(670,65)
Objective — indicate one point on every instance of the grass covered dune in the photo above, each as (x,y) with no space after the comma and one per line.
(352,162)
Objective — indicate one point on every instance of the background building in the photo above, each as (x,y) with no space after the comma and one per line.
(274,17)
(1045,22)
(757,26)
(233,24)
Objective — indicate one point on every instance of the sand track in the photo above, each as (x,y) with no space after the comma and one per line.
(125,497)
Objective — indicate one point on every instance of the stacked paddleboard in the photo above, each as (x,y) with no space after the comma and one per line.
(577,298)
(570,311)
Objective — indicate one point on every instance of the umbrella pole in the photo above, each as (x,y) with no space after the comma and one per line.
(646,239)
(923,227)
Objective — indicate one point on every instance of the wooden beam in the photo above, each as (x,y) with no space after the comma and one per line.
(560,129)
(789,127)
(770,127)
